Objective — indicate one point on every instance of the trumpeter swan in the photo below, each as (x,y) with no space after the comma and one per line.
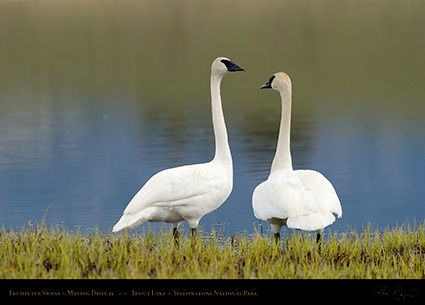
(299,199)
(191,191)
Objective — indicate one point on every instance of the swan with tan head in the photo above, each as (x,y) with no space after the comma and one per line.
(191,191)
(299,199)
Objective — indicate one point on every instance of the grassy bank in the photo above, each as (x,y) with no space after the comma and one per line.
(57,253)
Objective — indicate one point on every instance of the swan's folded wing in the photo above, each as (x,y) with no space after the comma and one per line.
(275,198)
(172,186)
(319,193)
(319,201)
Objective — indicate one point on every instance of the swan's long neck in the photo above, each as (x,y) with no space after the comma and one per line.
(222,149)
(282,159)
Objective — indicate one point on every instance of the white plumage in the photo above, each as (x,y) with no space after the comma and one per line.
(300,199)
(188,192)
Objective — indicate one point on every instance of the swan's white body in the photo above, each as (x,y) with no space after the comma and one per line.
(299,199)
(188,192)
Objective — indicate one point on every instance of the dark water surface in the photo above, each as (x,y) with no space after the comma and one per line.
(97,96)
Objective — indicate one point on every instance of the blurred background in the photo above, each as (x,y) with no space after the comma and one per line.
(97,96)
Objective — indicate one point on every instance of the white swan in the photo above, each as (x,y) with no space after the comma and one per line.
(188,192)
(300,199)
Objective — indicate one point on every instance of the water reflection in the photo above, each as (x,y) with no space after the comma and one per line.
(97,97)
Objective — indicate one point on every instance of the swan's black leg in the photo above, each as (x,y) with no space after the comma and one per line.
(193,239)
(176,236)
(277,237)
(319,239)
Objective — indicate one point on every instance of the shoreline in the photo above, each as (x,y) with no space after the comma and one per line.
(55,253)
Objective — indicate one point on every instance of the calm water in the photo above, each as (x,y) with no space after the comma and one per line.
(97,96)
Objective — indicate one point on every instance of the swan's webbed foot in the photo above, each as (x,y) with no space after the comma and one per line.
(192,232)
(276,237)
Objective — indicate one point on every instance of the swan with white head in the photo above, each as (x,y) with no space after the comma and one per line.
(191,191)
(299,199)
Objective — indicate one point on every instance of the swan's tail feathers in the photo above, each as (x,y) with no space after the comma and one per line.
(127,221)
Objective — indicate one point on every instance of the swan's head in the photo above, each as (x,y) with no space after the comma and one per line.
(279,81)
(222,65)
